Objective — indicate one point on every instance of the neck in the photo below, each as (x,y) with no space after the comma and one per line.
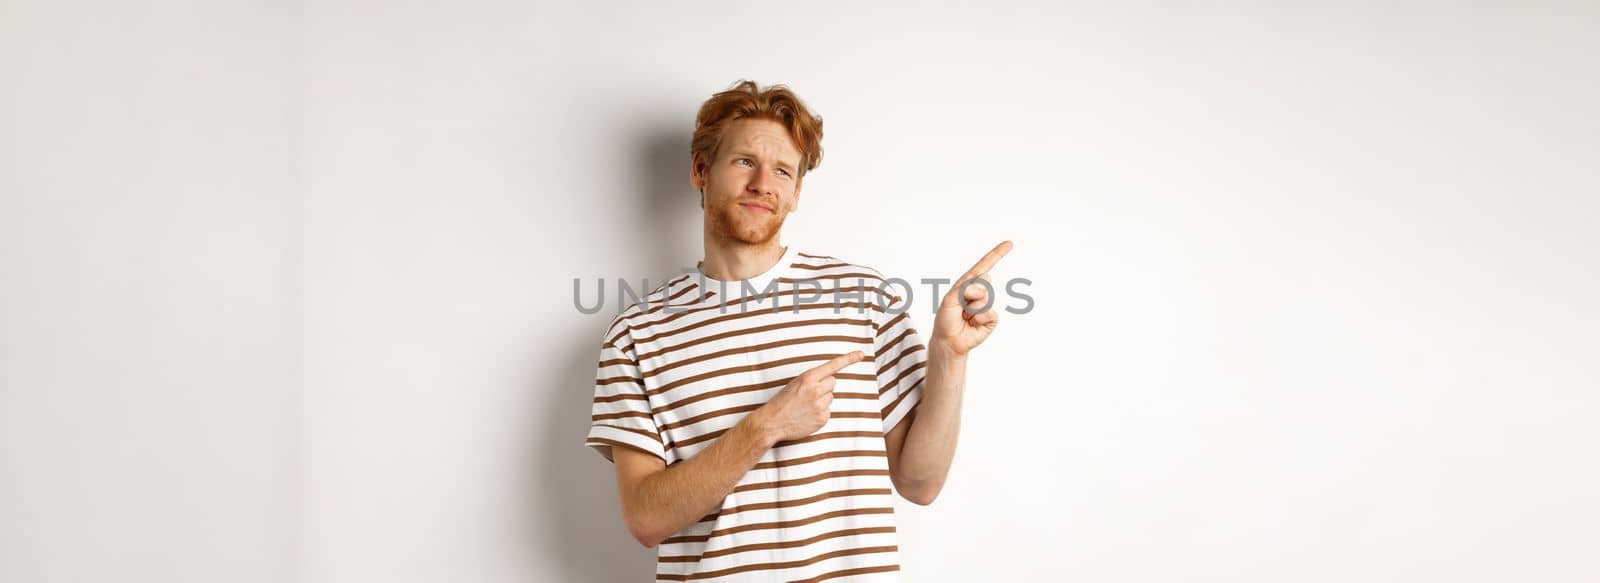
(733,260)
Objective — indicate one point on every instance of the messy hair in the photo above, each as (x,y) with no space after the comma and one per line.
(746,100)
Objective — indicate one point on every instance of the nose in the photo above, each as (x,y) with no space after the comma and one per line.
(764,184)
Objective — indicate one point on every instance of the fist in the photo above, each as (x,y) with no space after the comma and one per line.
(803,405)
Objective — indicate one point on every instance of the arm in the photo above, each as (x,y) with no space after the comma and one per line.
(922,447)
(658,501)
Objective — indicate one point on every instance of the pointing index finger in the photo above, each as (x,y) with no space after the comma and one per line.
(827,369)
(989,259)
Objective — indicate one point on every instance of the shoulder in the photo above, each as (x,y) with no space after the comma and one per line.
(629,316)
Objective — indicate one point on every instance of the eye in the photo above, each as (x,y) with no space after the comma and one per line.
(785,172)
(743,160)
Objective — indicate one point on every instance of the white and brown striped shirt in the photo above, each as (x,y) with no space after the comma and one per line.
(675,375)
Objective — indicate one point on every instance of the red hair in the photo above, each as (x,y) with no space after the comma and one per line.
(746,100)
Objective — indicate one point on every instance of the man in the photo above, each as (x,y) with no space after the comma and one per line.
(760,444)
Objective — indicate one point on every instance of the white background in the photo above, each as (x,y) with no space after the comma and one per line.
(287,288)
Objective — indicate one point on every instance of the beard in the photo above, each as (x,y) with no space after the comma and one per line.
(731,222)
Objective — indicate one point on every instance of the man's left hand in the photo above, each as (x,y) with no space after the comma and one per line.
(957,330)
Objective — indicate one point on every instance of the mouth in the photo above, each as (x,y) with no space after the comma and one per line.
(756,206)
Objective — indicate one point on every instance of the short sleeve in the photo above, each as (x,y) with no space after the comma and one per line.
(621,414)
(901,359)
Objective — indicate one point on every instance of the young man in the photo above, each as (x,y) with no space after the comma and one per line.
(754,444)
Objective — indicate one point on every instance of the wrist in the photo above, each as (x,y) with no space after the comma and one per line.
(758,429)
(941,349)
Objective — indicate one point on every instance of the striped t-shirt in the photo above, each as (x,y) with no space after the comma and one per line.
(675,375)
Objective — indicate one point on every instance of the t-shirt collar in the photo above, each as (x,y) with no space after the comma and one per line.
(758,283)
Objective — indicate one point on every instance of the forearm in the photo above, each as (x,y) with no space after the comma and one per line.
(930,444)
(668,500)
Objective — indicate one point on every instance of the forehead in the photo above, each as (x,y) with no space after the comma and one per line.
(762,137)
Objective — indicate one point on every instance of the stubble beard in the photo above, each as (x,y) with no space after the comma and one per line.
(727,225)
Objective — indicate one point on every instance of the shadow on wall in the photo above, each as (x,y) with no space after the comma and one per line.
(580,511)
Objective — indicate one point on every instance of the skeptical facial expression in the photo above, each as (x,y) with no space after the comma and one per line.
(752,184)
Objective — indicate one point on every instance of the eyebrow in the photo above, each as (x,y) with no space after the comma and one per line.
(781,163)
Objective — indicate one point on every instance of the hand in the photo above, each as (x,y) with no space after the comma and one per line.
(954,328)
(804,405)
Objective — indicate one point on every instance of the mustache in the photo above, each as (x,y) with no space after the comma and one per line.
(771,205)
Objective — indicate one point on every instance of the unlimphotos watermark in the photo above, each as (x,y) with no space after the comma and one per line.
(802,292)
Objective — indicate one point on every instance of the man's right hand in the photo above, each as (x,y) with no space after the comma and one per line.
(658,500)
(805,404)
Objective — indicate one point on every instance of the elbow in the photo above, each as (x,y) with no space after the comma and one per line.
(648,541)
(647,533)
(648,537)
(920,493)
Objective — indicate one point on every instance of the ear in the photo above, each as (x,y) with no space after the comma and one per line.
(697,179)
